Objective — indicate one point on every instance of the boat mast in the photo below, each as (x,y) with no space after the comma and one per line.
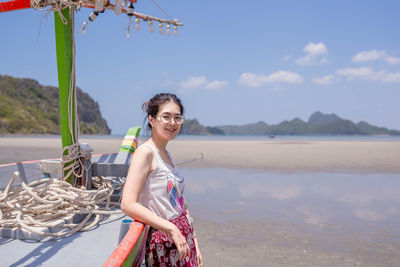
(64,34)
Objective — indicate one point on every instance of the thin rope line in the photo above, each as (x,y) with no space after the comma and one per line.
(155,3)
(40,27)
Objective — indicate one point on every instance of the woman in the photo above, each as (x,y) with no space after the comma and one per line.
(153,189)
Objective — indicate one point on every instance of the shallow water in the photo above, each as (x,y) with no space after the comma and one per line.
(366,204)
(255,218)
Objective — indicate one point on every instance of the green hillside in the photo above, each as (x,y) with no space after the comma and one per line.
(193,127)
(317,124)
(26,107)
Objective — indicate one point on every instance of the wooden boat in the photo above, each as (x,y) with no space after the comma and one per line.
(130,250)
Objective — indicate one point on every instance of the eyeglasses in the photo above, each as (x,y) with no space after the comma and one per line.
(167,118)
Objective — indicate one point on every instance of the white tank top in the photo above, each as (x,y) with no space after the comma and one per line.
(162,193)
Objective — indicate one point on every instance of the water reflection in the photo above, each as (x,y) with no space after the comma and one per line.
(275,192)
(313,198)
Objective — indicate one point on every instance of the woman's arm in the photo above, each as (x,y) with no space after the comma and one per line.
(140,168)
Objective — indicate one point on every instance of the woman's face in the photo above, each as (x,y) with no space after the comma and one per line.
(161,125)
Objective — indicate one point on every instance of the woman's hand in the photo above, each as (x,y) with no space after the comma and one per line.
(199,257)
(180,242)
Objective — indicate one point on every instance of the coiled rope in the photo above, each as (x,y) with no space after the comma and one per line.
(52,202)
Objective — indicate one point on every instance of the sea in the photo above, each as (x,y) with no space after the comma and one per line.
(264,137)
(239,137)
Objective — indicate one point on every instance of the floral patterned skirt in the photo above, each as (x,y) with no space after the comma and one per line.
(161,250)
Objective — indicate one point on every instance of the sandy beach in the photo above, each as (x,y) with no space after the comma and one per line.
(271,155)
(296,218)
(290,156)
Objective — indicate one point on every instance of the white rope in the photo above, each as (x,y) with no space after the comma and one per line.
(72,100)
(72,160)
(51,202)
(53,5)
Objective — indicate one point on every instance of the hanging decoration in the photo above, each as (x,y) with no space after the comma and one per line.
(100,6)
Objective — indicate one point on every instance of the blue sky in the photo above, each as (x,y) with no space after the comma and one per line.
(234,62)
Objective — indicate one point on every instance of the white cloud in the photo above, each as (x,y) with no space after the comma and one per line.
(363,73)
(193,82)
(167,82)
(213,85)
(373,55)
(391,77)
(251,79)
(286,58)
(315,49)
(366,73)
(284,76)
(393,60)
(324,80)
(314,54)
(281,76)
(201,82)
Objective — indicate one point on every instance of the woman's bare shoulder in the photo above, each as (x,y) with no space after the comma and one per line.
(143,152)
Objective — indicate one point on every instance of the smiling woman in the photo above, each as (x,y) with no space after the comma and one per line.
(153,192)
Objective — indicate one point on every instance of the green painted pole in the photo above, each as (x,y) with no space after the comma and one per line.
(64,44)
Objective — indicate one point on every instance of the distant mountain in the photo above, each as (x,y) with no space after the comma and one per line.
(322,119)
(366,128)
(333,124)
(254,128)
(27,107)
(295,126)
(317,124)
(193,127)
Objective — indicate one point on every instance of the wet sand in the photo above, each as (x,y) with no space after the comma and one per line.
(271,155)
(258,218)
(278,244)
